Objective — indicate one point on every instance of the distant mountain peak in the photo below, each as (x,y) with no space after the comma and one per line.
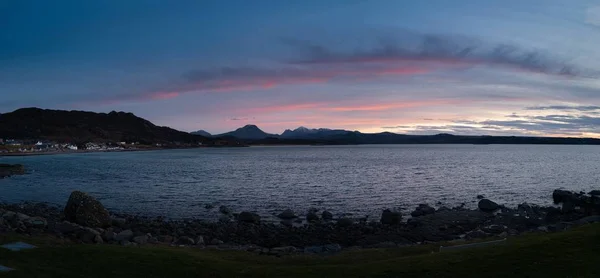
(202,133)
(248,132)
(250,127)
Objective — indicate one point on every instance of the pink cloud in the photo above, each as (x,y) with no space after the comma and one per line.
(165,95)
(248,79)
(389,106)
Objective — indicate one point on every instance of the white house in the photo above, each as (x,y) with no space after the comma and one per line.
(72,147)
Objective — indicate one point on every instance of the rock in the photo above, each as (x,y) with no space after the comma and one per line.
(86,211)
(225,218)
(587,220)
(287,214)
(184,240)
(22,217)
(526,209)
(326,215)
(7,170)
(479,197)
(199,240)
(165,239)
(568,207)
(487,205)
(118,222)
(442,209)
(552,214)
(324,249)
(127,243)
(287,223)
(312,216)
(345,222)
(88,235)
(494,229)
(109,236)
(249,217)
(67,227)
(560,196)
(594,193)
(98,239)
(9,215)
(224,210)
(126,235)
(216,241)
(389,217)
(476,234)
(140,239)
(36,222)
(414,222)
(422,209)
(559,227)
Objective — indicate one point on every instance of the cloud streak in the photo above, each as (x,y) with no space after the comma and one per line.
(583,108)
(440,51)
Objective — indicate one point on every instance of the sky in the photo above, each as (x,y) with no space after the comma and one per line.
(477,67)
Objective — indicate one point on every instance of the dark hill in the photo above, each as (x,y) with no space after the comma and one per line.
(250,132)
(201,133)
(79,126)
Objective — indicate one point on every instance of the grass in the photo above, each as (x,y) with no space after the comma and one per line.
(575,253)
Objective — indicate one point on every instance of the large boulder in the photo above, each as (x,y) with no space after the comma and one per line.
(422,209)
(326,215)
(143,239)
(249,217)
(487,205)
(594,193)
(287,214)
(225,210)
(312,216)
(563,196)
(84,210)
(389,217)
(126,235)
(345,222)
(184,240)
(7,170)
(67,227)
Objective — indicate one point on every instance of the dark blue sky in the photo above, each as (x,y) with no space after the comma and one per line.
(476,67)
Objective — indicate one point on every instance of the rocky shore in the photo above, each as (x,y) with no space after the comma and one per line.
(85,220)
(7,170)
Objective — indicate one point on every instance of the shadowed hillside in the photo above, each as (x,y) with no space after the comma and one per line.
(79,126)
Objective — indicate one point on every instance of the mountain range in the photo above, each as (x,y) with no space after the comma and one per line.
(251,134)
(81,127)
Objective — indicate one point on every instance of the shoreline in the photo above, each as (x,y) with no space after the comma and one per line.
(315,231)
(20,154)
(23,154)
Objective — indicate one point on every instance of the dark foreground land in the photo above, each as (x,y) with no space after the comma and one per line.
(574,253)
(86,240)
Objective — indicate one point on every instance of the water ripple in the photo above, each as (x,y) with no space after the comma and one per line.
(343,179)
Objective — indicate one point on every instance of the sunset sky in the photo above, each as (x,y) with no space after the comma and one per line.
(523,67)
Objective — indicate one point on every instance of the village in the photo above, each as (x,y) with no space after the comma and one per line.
(14,146)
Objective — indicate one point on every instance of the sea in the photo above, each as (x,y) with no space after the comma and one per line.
(355,181)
